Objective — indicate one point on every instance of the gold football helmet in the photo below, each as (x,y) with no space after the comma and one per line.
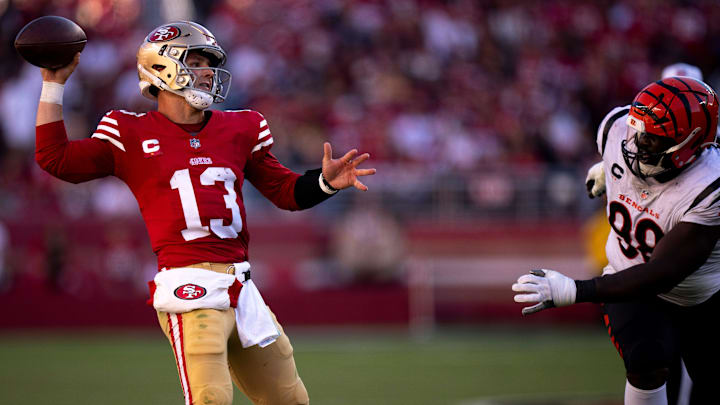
(161,63)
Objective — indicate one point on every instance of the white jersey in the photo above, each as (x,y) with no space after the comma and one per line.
(642,211)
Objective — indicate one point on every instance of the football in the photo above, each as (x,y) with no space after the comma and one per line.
(50,41)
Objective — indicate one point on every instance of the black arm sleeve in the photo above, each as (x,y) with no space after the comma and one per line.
(586,291)
(682,251)
(307,190)
(636,282)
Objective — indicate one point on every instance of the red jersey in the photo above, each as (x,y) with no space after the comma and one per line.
(188,186)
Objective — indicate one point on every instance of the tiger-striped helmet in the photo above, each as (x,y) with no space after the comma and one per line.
(683,112)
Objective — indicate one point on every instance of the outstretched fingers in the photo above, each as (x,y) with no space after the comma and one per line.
(359,159)
(525,287)
(365,172)
(360,186)
(527,297)
(344,171)
(348,157)
(327,149)
(530,279)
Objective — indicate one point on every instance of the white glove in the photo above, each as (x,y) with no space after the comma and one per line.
(548,288)
(595,180)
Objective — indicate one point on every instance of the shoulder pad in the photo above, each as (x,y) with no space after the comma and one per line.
(606,125)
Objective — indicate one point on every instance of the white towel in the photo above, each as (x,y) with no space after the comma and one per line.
(255,324)
(186,289)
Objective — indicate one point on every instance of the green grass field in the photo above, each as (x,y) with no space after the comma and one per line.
(469,367)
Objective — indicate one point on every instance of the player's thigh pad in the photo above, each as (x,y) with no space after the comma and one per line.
(199,340)
(268,376)
(644,333)
(207,331)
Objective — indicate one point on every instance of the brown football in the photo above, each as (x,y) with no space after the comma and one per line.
(50,42)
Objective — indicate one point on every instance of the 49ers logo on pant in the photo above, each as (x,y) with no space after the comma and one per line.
(190,292)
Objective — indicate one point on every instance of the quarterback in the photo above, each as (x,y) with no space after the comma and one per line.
(660,287)
(185,165)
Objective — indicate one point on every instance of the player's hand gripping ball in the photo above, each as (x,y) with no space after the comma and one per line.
(50,42)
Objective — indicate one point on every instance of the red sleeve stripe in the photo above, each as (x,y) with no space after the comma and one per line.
(109,130)
(109,121)
(262,145)
(263,123)
(113,141)
(263,134)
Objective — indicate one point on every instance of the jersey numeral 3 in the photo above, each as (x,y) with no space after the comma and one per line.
(194,228)
(645,243)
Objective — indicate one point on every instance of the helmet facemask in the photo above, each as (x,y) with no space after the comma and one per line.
(189,78)
(642,162)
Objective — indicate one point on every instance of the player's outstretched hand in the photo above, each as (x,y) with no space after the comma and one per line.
(343,172)
(62,74)
(548,288)
(595,180)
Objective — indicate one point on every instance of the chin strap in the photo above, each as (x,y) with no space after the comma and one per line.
(155,81)
(196,98)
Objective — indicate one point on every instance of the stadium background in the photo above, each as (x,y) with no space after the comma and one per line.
(480,117)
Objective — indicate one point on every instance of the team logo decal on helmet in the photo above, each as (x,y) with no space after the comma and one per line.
(190,292)
(680,111)
(165,33)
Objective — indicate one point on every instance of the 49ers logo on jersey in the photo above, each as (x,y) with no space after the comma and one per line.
(165,33)
(190,292)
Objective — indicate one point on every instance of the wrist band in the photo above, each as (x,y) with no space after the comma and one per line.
(52,93)
(325,186)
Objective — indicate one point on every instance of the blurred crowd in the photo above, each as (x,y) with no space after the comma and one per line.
(451,86)
(465,105)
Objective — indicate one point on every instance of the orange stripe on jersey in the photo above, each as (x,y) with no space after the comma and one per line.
(606,318)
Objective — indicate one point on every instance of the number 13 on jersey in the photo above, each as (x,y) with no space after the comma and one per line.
(194,228)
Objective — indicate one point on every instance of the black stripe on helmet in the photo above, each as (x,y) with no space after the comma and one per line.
(660,100)
(703,104)
(683,98)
